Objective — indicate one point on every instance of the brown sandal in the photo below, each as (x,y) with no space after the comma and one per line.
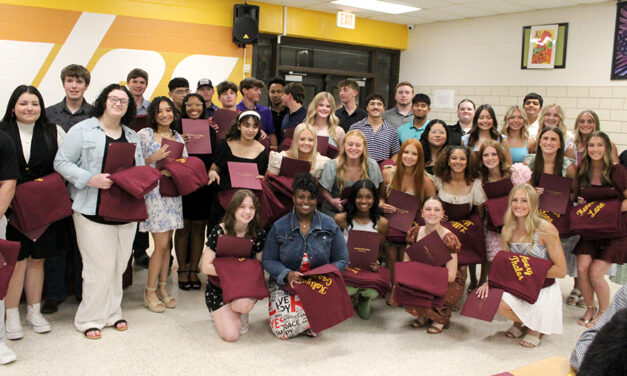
(419,322)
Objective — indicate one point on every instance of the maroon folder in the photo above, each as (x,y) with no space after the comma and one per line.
(137,180)
(598,220)
(324,297)
(366,278)
(455,212)
(291,167)
(472,237)
(556,195)
(520,275)
(224,119)
(244,175)
(411,298)
(482,309)
(498,188)
(332,152)
(199,136)
(120,156)
(240,278)
(598,193)
(384,163)
(39,203)
(346,192)
(363,248)
(140,122)
(188,174)
(323,144)
(497,208)
(429,250)
(176,151)
(232,246)
(8,251)
(407,208)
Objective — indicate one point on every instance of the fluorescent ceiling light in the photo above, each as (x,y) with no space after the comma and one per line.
(377,6)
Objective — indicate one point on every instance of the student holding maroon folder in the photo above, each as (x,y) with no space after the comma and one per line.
(363,214)
(165,214)
(352,164)
(298,242)
(595,256)
(455,184)
(304,147)
(241,219)
(433,213)
(36,142)
(105,245)
(493,167)
(188,241)
(526,233)
(550,158)
(408,176)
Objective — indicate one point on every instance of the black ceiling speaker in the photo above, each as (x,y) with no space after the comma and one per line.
(245,24)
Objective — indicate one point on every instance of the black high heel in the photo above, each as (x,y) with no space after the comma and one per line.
(184,285)
(194,284)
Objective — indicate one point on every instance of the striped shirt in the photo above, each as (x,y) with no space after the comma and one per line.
(381,145)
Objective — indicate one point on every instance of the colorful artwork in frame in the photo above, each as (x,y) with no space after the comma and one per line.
(543,47)
(542,42)
(619,58)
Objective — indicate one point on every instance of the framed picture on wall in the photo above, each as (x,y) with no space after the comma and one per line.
(619,56)
(544,46)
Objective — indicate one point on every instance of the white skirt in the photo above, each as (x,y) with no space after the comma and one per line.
(545,315)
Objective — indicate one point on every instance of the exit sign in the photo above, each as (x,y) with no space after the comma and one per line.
(346,20)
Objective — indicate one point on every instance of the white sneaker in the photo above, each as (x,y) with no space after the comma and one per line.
(245,326)
(6,354)
(13,327)
(36,320)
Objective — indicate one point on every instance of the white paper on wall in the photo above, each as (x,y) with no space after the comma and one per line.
(443,99)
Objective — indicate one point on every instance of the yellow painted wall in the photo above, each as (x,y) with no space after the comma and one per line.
(302,23)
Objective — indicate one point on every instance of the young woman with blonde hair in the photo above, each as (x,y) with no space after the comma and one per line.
(321,116)
(304,147)
(526,233)
(515,125)
(586,123)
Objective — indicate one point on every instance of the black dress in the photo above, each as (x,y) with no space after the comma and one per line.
(197,205)
(43,150)
(213,294)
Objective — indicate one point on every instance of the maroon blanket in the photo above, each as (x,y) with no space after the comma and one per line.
(471,236)
(428,279)
(39,203)
(167,188)
(496,208)
(240,278)
(560,221)
(116,204)
(138,181)
(520,275)
(8,257)
(325,299)
(379,280)
(598,220)
(188,174)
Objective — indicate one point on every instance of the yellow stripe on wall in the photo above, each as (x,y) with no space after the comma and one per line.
(302,23)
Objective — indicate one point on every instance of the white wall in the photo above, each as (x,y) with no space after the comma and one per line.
(480,58)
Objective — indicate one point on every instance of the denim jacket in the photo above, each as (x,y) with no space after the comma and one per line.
(80,157)
(285,245)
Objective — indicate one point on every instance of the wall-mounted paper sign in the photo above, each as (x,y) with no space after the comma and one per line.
(443,99)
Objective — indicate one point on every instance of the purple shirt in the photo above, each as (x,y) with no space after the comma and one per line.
(267,124)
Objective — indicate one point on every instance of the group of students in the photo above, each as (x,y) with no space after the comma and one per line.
(349,186)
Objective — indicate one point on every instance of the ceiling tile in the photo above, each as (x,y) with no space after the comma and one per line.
(544,4)
(437,15)
(462,11)
(499,6)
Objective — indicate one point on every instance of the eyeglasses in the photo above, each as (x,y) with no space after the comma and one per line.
(181,92)
(116,100)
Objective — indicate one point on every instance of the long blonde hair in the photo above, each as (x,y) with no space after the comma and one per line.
(333,121)
(524,132)
(292,152)
(532,222)
(341,159)
(560,113)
